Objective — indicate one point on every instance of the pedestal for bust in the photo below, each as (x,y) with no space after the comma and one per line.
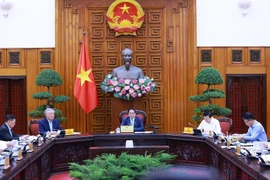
(119,105)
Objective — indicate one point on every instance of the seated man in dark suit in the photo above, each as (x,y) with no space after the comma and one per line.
(49,124)
(133,120)
(6,133)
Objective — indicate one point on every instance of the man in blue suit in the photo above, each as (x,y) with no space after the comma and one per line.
(49,123)
(133,120)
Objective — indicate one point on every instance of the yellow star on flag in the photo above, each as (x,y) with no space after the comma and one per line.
(125,8)
(84,76)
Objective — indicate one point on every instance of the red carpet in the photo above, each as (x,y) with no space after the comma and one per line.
(61,175)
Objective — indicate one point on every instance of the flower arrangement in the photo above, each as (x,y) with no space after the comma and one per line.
(128,88)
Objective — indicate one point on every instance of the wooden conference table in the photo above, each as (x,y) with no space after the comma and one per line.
(54,155)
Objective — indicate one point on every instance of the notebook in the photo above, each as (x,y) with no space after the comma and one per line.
(127,129)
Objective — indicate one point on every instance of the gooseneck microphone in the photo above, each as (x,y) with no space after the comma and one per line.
(153,127)
(192,125)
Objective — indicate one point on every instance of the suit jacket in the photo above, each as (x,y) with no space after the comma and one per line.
(5,134)
(138,123)
(44,126)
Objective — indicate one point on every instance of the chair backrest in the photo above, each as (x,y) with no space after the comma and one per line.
(225,124)
(33,127)
(141,114)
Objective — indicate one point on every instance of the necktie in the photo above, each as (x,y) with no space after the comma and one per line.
(10,132)
(132,122)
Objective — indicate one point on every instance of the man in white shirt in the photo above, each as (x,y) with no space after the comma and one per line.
(209,123)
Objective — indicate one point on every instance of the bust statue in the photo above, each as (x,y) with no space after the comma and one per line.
(127,71)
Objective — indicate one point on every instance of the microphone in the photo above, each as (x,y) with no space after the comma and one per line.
(192,125)
(25,148)
(153,127)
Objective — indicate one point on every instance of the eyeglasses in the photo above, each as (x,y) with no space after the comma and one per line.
(246,121)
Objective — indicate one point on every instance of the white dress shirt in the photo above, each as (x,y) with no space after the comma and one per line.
(50,125)
(132,122)
(214,125)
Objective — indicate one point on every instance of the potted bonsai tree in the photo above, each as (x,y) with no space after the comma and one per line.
(124,166)
(209,76)
(48,78)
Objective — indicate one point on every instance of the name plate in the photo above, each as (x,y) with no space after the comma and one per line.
(69,131)
(31,148)
(188,130)
(127,129)
(6,163)
(19,155)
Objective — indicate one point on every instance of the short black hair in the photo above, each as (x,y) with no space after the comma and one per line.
(9,117)
(207,113)
(248,115)
(133,110)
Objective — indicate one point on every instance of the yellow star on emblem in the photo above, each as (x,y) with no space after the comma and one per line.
(125,8)
(84,76)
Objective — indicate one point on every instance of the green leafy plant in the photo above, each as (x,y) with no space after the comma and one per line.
(48,78)
(209,76)
(125,166)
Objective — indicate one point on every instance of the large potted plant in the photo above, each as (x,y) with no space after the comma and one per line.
(48,78)
(125,166)
(210,77)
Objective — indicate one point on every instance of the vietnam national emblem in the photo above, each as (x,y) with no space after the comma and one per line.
(125,17)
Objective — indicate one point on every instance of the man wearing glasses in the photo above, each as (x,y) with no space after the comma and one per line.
(255,132)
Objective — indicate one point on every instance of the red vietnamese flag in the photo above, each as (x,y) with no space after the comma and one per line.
(85,86)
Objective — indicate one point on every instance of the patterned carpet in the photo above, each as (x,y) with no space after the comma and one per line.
(60,176)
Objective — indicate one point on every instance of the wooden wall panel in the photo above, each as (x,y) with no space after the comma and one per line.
(105,51)
(147,43)
(160,49)
(222,59)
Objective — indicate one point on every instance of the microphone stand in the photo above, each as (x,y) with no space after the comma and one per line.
(192,125)
(153,128)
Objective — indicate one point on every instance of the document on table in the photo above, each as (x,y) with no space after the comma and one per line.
(144,132)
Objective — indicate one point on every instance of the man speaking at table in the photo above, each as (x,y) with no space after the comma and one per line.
(49,124)
(133,120)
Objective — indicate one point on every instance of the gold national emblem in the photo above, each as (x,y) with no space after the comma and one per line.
(125,17)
